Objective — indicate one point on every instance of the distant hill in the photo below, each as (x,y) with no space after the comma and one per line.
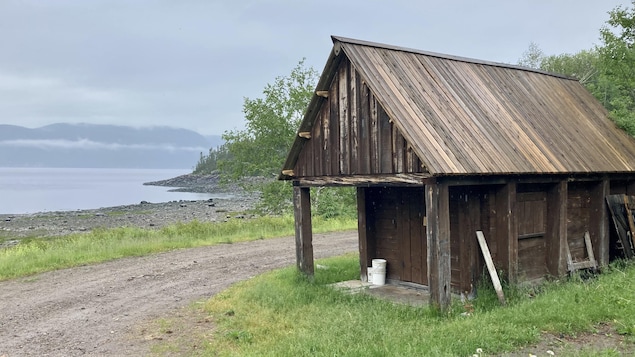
(108,146)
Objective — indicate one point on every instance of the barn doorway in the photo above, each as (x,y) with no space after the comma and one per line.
(396,231)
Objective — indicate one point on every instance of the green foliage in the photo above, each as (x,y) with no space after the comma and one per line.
(208,164)
(331,202)
(271,124)
(276,197)
(617,65)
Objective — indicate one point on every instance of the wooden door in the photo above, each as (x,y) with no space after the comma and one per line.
(395,220)
(532,227)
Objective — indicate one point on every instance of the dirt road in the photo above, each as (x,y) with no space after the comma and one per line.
(93,310)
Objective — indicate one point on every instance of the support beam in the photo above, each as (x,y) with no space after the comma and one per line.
(507,231)
(600,224)
(303,229)
(556,234)
(364,248)
(438,231)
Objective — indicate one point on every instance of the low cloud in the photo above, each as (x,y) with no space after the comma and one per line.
(85,144)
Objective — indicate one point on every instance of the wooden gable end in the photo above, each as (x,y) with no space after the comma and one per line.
(353,134)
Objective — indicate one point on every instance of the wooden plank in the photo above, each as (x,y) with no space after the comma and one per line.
(591,263)
(344,119)
(354,135)
(375,167)
(507,230)
(556,237)
(490,267)
(438,238)
(616,207)
(364,130)
(303,230)
(629,219)
(589,248)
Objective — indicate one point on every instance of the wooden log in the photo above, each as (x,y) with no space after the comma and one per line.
(288,172)
(490,266)
(438,234)
(305,134)
(303,230)
(322,93)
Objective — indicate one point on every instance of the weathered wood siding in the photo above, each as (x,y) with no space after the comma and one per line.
(353,134)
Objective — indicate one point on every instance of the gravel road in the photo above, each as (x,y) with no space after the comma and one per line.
(96,310)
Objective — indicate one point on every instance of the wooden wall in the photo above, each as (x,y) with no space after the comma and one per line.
(353,135)
(526,226)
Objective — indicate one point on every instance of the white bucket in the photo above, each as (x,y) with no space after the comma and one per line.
(379,272)
(379,276)
(379,263)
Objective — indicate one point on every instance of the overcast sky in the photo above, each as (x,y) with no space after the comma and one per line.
(189,64)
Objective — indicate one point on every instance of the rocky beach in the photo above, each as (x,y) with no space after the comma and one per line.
(234,203)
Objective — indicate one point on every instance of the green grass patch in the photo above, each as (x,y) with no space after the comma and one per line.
(283,314)
(43,254)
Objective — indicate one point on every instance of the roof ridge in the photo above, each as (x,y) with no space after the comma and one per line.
(446,56)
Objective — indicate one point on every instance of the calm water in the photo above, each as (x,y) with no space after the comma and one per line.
(28,190)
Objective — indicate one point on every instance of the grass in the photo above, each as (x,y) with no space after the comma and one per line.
(37,255)
(283,314)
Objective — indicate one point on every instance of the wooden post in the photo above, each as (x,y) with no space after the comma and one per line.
(507,231)
(599,225)
(438,232)
(556,235)
(303,229)
(362,233)
(493,274)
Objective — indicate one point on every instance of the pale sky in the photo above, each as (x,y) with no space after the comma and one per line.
(190,63)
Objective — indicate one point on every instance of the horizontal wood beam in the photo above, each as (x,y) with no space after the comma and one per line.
(305,134)
(322,93)
(288,172)
(365,180)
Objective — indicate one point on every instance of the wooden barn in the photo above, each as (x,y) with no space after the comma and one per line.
(440,147)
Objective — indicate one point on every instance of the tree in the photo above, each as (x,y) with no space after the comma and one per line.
(617,65)
(533,57)
(208,164)
(271,124)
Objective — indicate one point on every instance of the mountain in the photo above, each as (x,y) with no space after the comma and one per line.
(109,146)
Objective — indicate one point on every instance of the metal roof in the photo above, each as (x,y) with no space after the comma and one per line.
(464,117)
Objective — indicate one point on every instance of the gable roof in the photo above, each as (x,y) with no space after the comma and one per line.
(463,116)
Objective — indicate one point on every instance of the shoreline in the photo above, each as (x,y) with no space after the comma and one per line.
(147,215)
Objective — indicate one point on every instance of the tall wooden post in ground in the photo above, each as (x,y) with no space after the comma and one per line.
(599,227)
(303,229)
(507,231)
(438,231)
(556,237)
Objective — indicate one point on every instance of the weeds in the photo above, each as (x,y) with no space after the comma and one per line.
(284,314)
(34,255)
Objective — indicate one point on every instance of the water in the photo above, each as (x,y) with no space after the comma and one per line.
(29,190)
